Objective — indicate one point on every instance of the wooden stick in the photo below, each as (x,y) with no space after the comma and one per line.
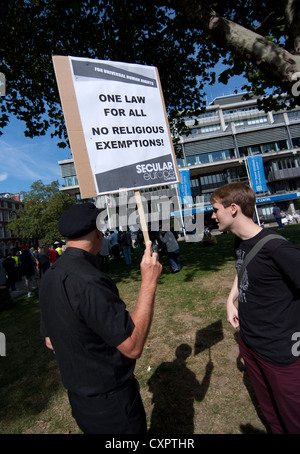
(142,216)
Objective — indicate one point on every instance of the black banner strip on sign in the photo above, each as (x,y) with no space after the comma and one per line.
(109,72)
(140,174)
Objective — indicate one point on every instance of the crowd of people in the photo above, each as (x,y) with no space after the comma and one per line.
(283,218)
(120,243)
(27,265)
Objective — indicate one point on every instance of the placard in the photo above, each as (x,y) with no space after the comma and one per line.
(117,110)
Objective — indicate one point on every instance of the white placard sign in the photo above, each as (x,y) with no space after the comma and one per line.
(124,123)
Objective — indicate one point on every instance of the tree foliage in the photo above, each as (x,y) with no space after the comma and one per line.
(42,208)
(183,38)
(257,39)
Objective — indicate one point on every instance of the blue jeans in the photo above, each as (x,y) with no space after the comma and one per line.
(127,254)
(173,258)
(279,222)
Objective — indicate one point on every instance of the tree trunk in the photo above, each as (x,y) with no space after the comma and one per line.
(281,65)
(269,57)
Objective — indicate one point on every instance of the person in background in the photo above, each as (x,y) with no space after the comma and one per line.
(43,259)
(28,267)
(36,275)
(16,258)
(52,255)
(3,278)
(10,266)
(114,245)
(104,253)
(126,244)
(277,216)
(59,249)
(168,238)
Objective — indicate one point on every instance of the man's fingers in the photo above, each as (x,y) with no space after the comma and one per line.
(148,254)
(148,248)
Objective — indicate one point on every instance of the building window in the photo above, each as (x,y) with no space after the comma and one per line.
(212,181)
(295,113)
(238,123)
(296,141)
(255,149)
(211,128)
(194,182)
(256,121)
(71,181)
(266,147)
(206,129)
(263,148)
(205,158)
(199,159)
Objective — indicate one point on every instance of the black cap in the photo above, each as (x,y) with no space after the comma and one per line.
(78,220)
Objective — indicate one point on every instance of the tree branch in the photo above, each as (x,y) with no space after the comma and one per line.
(268,56)
(292,12)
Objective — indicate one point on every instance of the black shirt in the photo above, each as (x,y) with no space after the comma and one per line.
(269,298)
(85,319)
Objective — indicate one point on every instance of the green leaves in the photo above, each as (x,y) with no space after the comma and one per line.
(38,218)
(172,35)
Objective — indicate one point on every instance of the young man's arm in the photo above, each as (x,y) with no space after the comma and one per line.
(232,312)
(142,315)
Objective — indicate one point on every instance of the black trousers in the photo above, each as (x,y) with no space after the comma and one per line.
(117,412)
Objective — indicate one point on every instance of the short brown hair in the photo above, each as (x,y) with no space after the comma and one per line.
(238,193)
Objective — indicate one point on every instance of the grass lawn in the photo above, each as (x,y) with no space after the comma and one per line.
(192,378)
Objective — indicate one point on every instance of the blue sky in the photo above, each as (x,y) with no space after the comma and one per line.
(24,160)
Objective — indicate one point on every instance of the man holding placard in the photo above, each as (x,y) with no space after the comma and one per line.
(96,341)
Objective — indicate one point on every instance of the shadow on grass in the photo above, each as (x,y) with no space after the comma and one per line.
(175,387)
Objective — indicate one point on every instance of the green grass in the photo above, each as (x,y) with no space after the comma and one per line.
(192,379)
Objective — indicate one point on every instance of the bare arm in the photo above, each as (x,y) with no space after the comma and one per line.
(232,312)
(143,312)
(48,343)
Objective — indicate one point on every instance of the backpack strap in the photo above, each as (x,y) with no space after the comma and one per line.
(255,250)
